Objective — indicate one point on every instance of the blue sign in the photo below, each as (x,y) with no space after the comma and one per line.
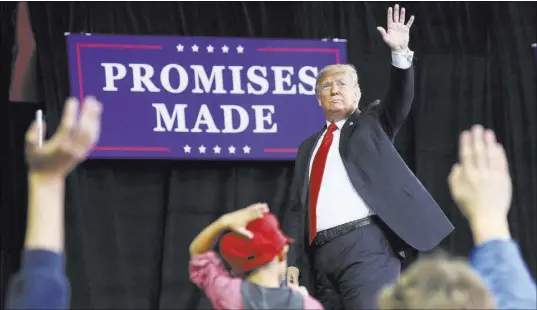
(209,98)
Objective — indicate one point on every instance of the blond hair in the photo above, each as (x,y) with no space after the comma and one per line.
(436,283)
(336,69)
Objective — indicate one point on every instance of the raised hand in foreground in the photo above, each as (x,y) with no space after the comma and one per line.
(480,183)
(72,142)
(481,186)
(42,283)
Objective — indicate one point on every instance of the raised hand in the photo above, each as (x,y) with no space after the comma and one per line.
(480,181)
(397,34)
(238,220)
(70,144)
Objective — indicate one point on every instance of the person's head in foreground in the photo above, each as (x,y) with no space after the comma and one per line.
(265,254)
(438,283)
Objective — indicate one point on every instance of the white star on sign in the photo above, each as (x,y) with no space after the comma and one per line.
(180,47)
(210,49)
(240,49)
(187,148)
(202,149)
(246,149)
(195,48)
(225,49)
(216,149)
(231,149)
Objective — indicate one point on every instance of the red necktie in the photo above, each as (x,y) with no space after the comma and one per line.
(316,177)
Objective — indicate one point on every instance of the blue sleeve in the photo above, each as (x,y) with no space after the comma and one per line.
(504,271)
(40,284)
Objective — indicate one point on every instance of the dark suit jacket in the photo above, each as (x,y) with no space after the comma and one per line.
(377,172)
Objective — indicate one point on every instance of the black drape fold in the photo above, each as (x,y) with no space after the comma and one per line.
(129,223)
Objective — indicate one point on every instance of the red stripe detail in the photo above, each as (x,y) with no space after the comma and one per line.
(81,90)
(80,87)
(280,150)
(131,148)
(134,46)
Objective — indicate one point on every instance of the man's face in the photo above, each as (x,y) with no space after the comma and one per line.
(338,96)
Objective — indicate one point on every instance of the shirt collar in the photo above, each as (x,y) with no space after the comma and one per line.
(340,123)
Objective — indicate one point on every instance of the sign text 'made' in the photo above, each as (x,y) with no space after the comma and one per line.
(201,98)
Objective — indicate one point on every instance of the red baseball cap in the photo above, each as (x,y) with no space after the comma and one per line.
(244,254)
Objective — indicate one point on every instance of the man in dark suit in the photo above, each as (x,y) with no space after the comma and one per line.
(355,205)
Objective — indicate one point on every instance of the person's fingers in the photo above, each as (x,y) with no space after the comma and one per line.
(396,13)
(490,137)
(454,174)
(258,210)
(90,123)
(382,32)
(402,15)
(293,270)
(244,232)
(43,132)
(490,145)
(410,21)
(478,142)
(69,116)
(292,280)
(465,150)
(389,18)
(293,274)
(32,134)
(32,140)
(496,156)
(499,158)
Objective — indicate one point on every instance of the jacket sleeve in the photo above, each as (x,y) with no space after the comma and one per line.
(504,271)
(292,219)
(41,282)
(393,111)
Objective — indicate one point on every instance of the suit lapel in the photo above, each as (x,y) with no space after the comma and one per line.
(346,132)
(344,143)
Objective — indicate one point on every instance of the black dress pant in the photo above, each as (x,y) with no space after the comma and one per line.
(351,270)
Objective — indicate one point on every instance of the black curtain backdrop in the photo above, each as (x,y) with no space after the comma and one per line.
(129,223)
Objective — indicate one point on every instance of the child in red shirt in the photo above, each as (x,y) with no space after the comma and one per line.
(256,249)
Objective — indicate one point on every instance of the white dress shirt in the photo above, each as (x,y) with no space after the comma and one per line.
(338,201)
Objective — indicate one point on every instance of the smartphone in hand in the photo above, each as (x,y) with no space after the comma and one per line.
(292,276)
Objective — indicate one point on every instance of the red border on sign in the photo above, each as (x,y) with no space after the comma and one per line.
(79,46)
